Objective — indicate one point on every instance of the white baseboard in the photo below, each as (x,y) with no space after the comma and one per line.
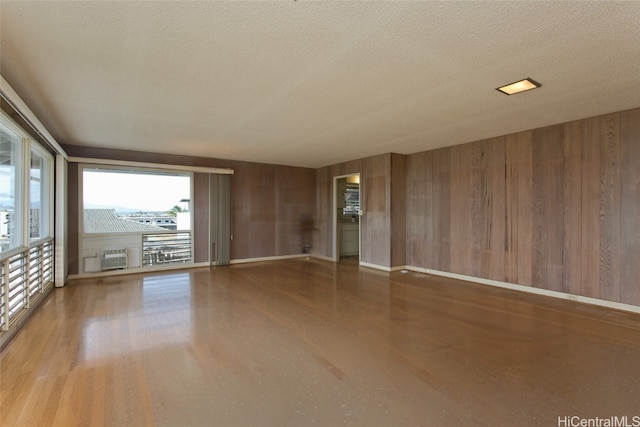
(382,267)
(530,289)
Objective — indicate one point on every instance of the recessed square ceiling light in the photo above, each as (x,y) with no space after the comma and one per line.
(519,86)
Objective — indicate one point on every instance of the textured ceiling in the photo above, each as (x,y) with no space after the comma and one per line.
(313,83)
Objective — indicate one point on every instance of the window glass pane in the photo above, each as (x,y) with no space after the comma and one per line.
(38,189)
(10,172)
(126,201)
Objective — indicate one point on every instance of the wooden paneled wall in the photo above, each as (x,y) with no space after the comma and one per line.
(556,208)
(270,203)
(630,207)
(272,209)
(375,200)
(295,199)
(253,202)
(398,189)
(322,225)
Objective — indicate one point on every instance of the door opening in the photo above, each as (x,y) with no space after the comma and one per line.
(346,223)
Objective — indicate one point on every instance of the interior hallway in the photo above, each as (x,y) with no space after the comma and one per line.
(308,342)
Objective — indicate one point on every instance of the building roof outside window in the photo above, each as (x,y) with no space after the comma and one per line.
(107,221)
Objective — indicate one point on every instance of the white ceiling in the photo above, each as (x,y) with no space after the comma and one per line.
(313,83)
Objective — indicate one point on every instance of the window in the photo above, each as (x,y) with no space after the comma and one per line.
(26,215)
(139,217)
(10,194)
(123,200)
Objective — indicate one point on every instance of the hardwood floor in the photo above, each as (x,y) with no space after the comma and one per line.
(307,342)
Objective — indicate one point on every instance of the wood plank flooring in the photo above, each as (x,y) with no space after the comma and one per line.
(307,342)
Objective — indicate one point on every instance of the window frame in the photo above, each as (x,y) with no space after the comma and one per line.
(47,195)
(15,174)
(28,264)
(85,240)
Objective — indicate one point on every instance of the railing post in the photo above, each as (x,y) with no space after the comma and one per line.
(41,269)
(27,302)
(5,292)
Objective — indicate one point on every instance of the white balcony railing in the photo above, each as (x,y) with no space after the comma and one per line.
(24,277)
(166,248)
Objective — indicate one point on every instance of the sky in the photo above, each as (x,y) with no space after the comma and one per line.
(8,191)
(6,184)
(134,191)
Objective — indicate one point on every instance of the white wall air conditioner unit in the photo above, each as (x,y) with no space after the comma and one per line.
(113,259)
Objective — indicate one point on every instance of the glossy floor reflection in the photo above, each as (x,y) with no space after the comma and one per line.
(306,342)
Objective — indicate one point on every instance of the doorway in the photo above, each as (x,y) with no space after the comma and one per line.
(346,218)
